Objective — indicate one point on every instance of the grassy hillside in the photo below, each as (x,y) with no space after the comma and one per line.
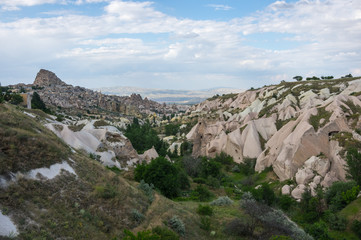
(95,204)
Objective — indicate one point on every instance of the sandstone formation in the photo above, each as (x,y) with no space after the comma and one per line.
(293,127)
(106,143)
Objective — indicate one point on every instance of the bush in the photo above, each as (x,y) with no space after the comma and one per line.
(356,228)
(177,225)
(164,233)
(137,216)
(336,222)
(334,196)
(142,235)
(280,237)
(164,175)
(147,189)
(353,160)
(213,182)
(205,223)
(106,191)
(209,167)
(202,193)
(192,166)
(236,169)
(248,165)
(199,180)
(285,202)
(222,201)
(264,193)
(205,210)
(224,159)
(318,231)
(37,103)
(238,228)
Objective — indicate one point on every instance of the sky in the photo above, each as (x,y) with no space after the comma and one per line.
(179,44)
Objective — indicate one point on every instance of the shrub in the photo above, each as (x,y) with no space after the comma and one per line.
(280,237)
(192,166)
(238,228)
(164,175)
(142,235)
(318,231)
(205,210)
(285,202)
(147,189)
(137,216)
(353,160)
(164,233)
(209,167)
(177,225)
(199,180)
(222,201)
(16,99)
(106,191)
(235,169)
(205,223)
(264,193)
(334,196)
(336,222)
(224,159)
(213,182)
(247,167)
(37,103)
(202,193)
(356,228)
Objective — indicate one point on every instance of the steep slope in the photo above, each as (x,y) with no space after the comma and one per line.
(283,126)
(50,191)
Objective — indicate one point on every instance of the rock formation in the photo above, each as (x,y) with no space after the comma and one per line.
(293,127)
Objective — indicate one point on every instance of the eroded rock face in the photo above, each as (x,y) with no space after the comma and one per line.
(285,127)
(107,142)
(45,78)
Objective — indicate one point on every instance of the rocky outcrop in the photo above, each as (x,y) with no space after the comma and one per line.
(45,78)
(106,143)
(55,92)
(289,127)
(149,155)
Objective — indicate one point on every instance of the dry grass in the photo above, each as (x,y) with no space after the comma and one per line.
(25,144)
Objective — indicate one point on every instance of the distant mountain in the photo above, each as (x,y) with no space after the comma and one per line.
(169,96)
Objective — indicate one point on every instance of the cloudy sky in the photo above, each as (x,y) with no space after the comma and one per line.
(178,44)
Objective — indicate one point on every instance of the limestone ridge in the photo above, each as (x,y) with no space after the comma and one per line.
(297,128)
(55,92)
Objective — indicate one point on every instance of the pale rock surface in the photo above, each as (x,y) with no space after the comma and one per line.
(320,165)
(286,190)
(304,176)
(298,191)
(317,180)
(149,155)
(51,172)
(329,179)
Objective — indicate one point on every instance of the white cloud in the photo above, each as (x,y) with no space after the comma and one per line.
(11,5)
(134,36)
(221,7)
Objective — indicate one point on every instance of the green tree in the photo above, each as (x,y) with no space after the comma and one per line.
(353,169)
(37,103)
(164,175)
(16,99)
(298,78)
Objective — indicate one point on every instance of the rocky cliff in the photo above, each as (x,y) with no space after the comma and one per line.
(297,128)
(55,92)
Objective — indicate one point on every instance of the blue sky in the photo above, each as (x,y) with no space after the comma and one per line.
(179,44)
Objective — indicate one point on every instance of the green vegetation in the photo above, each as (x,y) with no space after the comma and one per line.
(23,139)
(164,175)
(37,103)
(322,114)
(353,166)
(144,137)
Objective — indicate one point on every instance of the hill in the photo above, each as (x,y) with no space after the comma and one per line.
(300,129)
(188,97)
(51,191)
